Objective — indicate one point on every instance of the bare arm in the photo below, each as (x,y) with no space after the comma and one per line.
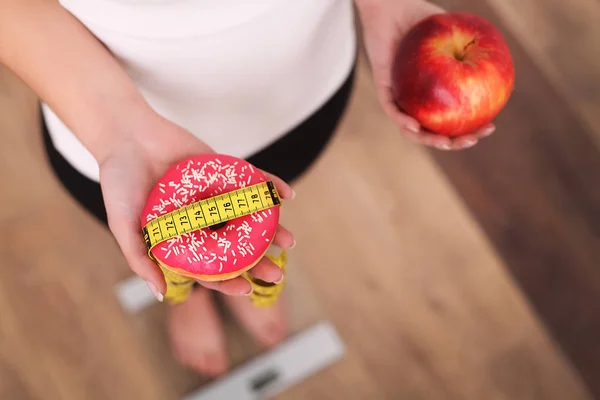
(84,84)
(68,68)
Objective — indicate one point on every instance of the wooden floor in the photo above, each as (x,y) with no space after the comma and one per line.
(475,276)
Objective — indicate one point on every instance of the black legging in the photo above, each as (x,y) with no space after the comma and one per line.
(289,157)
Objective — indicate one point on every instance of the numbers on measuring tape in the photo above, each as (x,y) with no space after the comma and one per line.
(209,212)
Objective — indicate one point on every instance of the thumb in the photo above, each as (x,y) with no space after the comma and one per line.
(130,240)
(123,178)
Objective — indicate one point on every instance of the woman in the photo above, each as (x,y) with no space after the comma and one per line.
(129,87)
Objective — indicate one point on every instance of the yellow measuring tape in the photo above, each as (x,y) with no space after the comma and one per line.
(211,212)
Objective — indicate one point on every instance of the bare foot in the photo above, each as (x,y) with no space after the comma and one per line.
(196,333)
(268,325)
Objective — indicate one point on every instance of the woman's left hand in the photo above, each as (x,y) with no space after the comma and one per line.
(385,22)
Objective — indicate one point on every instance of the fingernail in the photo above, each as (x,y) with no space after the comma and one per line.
(293,244)
(444,146)
(470,143)
(293,195)
(159,296)
(413,128)
(488,131)
(250,291)
(280,279)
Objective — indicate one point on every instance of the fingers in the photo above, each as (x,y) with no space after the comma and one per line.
(485,131)
(443,142)
(464,142)
(283,238)
(233,287)
(130,241)
(285,190)
(408,124)
(267,271)
(468,141)
(433,140)
(413,130)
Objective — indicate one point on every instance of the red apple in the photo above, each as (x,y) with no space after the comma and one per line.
(453,73)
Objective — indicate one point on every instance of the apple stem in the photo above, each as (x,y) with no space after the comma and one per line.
(462,54)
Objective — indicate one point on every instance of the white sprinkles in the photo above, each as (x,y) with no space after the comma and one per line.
(227,245)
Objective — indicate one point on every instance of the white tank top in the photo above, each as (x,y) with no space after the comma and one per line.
(236,73)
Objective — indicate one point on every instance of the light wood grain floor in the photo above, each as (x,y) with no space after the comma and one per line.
(425,306)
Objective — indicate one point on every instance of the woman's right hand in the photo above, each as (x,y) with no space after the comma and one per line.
(129,171)
(93,95)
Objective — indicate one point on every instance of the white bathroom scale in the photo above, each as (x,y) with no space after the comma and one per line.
(274,372)
(315,346)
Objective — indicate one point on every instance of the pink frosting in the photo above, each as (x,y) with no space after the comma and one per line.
(206,252)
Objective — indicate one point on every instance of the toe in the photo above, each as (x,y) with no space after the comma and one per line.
(267,325)
(272,333)
(214,364)
(196,335)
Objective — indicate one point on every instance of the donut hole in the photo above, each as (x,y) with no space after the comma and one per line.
(260,282)
(218,226)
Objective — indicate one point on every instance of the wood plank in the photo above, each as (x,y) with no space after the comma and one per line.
(62,334)
(304,310)
(418,294)
(425,306)
(562,37)
(534,188)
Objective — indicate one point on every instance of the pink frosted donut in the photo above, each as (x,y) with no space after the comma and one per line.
(211,254)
